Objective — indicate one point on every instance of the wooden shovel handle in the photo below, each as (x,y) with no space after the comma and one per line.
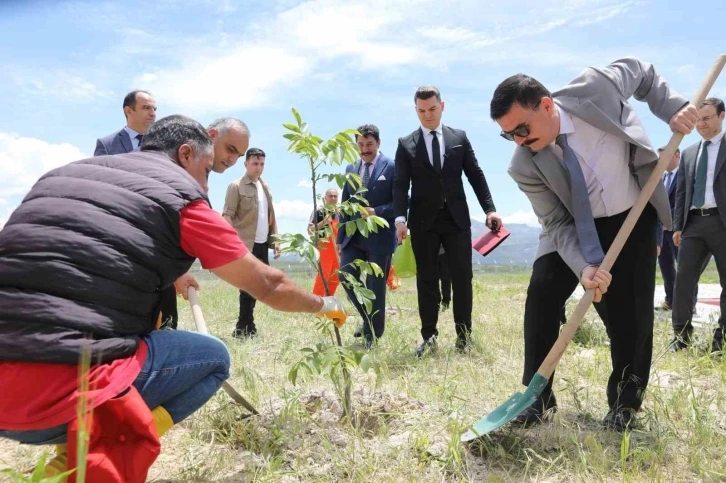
(202,328)
(558,349)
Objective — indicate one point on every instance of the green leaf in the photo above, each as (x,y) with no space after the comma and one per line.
(290,136)
(291,127)
(368,293)
(298,118)
(365,363)
(292,375)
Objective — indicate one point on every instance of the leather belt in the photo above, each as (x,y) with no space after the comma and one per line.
(704,211)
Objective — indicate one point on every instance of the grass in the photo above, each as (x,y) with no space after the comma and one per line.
(410,416)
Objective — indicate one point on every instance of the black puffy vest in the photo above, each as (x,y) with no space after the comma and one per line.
(84,257)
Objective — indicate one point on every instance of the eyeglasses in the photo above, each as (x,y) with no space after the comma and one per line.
(707,118)
(521,131)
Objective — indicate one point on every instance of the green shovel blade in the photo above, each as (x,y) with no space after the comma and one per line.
(507,411)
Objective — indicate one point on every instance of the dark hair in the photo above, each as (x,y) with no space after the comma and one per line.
(662,148)
(254,152)
(427,92)
(130,99)
(715,102)
(518,89)
(369,130)
(171,132)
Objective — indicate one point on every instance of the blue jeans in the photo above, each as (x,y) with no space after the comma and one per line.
(183,370)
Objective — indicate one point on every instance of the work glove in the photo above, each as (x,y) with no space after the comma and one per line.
(333,309)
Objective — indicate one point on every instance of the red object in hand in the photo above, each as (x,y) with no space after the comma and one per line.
(490,240)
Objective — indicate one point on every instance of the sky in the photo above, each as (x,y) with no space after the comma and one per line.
(66,66)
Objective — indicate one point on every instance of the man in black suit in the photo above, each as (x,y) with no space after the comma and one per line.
(430,161)
(140,111)
(445,277)
(699,225)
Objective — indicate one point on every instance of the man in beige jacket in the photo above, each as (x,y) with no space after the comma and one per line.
(248,208)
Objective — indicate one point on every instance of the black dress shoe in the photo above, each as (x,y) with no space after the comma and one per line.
(718,341)
(244,332)
(429,344)
(463,344)
(539,412)
(619,419)
(679,344)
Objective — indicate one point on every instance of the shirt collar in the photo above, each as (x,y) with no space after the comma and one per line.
(717,138)
(374,159)
(566,124)
(439,129)
(132,134)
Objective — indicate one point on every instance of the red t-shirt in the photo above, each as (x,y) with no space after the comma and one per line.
(41,395)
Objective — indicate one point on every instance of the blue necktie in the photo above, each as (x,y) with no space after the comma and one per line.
(366,173)
(581,210)
(667,181)
(699,187)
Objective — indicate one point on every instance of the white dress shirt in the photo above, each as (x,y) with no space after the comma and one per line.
(263,223)
(604,160)
(429,139)
(134,140)
(712,155)
(370,169)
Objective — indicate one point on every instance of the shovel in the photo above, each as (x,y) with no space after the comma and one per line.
(521,401)
(202,328)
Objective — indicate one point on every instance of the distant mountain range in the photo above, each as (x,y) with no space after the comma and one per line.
(517,250)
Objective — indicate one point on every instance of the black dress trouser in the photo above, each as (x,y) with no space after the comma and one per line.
(626,309)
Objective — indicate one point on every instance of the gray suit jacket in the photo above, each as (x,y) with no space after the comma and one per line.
(116,143)
(686,177)
(600,98)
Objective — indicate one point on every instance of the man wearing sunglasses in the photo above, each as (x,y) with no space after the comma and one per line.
(581,158)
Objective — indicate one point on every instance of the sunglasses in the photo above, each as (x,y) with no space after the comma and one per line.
(521,131)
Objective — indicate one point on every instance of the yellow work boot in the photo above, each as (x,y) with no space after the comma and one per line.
(59,464)
(162,420)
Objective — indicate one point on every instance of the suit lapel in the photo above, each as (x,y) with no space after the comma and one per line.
(449,142)
(380,164)
(591,114)
(126,141)
(556,175)
(674,183)
(720,157)
(422,155)
(692,166)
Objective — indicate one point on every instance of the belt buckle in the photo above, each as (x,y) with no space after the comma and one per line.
(702,211)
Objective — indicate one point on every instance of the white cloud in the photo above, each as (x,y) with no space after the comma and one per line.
(226,82)
(293,209)
(22,161)
(305,183)
(522,217)
(297,42)
(59,85)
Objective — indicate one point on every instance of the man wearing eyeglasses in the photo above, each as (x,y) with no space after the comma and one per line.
(582,157)
(699,223)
